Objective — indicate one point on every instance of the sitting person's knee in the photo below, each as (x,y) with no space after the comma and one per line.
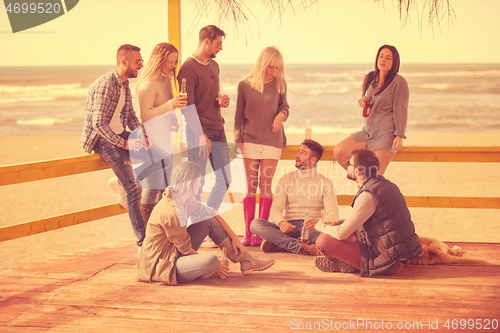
(256,226)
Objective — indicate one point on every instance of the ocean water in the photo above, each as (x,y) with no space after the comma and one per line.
(443,98)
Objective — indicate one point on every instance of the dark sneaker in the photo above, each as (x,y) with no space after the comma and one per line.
(309,250)
(334,265)
(267,246)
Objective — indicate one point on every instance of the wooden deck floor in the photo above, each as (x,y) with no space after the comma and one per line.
(96,291)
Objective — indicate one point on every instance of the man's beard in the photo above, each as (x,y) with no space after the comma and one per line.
(131,74)
(300,166)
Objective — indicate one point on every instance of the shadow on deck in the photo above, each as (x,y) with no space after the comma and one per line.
(95,291)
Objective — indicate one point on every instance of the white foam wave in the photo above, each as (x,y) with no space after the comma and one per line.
(50,92)
(44,121)
(443,86)
(334,75)
(321,130)
(25,99)
(489,73)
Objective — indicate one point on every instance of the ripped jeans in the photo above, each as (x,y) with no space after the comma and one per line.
(119,161)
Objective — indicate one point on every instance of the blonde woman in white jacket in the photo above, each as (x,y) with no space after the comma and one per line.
(157,105)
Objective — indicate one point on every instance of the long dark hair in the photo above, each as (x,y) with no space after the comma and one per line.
(390,76)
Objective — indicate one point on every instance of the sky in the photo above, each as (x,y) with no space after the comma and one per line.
(331,31)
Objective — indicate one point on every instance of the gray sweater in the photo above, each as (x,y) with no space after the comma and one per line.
(202,85)
(255,113)
(389,111)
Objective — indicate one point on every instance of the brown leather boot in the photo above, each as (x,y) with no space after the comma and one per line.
(309,250)
(146,210)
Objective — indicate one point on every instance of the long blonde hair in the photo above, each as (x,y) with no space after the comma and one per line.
(270,56)
(184,175)
(152,70)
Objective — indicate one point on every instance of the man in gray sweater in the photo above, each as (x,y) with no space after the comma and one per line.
(303,191)
(202,86)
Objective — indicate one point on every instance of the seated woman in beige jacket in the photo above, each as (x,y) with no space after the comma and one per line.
(169,252)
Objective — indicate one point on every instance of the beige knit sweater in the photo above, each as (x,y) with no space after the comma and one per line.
(301,192)
(157,111)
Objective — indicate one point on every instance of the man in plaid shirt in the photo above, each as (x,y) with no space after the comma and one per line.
(108,112)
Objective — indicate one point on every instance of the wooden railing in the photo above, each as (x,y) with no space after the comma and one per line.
(27,172)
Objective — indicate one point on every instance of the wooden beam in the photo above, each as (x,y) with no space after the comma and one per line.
(174,25)
(422,154)
(27,172)
(91,214)
(439,202)
(60,221)
(20,173)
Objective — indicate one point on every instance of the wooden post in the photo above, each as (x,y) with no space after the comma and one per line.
(174,37)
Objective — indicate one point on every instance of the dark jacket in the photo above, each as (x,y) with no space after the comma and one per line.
(388,236)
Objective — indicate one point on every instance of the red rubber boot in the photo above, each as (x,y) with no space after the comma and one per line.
(249,214)
(264,208)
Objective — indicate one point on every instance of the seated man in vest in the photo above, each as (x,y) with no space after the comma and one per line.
(378,237)
(303,191)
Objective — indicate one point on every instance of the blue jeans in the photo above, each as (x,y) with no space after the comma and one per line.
(155,184)
(202,265)
(219,159)
(289,241)
(119,161)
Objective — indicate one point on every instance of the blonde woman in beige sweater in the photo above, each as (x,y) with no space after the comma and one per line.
(157,104)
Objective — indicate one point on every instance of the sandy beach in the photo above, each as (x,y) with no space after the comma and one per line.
(29,201)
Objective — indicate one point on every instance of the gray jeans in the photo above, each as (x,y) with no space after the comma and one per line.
(202,265)
(289,241)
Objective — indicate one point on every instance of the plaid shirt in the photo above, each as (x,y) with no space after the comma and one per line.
(102,100)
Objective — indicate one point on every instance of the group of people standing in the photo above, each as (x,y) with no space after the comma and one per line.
(168,218)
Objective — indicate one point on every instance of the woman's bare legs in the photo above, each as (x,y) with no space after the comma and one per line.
(252,175)
(384,157)
(342,151)
(267,170)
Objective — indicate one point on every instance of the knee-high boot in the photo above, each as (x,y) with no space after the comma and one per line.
(249,214)
(248,264)
(264,208)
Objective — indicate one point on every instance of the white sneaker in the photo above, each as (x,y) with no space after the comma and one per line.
(208,242)
(119,191)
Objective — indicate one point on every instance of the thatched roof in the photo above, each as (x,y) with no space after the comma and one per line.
(239,12)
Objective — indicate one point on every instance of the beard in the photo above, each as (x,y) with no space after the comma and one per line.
(131,74)
(301,165)
(351,176)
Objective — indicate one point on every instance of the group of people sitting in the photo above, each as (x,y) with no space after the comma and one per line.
(378,237)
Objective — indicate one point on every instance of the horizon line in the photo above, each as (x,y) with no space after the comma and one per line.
(251,64)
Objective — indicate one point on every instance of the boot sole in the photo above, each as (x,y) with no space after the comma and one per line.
(258,269)
(325,264)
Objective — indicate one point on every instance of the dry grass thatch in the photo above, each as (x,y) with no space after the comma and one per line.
(239,13)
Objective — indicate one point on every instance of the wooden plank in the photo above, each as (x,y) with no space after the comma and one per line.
(14,174)
(60,221)
(27,172)
(439,202)
(109,299)
(423,154)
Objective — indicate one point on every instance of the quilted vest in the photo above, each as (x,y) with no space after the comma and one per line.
(388,236)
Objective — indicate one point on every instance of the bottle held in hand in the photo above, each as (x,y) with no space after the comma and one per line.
(366,109)
(183,92)
(224,260)
(304,235)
